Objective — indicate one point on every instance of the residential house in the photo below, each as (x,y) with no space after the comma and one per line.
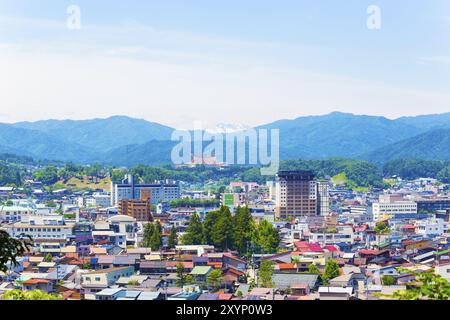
(95,281)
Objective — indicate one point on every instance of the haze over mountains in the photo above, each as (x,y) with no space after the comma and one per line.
(122,140)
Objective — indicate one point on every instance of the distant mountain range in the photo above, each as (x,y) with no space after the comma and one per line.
(122,140)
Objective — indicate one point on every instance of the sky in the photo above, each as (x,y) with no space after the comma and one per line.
(180,62)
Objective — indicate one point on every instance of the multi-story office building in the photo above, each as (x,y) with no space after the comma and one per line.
(391,209)
(296,194)
(433,205)
(323,198)
(42,228)
(161,191)
(140,209)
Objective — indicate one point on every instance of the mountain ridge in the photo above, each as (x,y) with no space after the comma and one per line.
(123,140)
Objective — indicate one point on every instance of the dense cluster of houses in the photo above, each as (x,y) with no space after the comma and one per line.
(94,253)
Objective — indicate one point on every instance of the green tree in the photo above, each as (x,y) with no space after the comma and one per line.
(155,239)
(172,241)
(313,269)
(444,174)
(87,265)
(388,280)
(427,285)
(244,230)
(189,279)
(10,175)
(51,204)
(214,279)
(11,248)
(48,175)
(382,228)
(194,231)
(222,231)
(48,258)
(30,295)
(267,237)
(331,270)
(180,274)
(148,235)
(265,273)
(209,224)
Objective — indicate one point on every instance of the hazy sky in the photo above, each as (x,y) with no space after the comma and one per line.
(246,62)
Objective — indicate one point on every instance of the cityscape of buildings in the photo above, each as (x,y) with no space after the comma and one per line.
(95,245)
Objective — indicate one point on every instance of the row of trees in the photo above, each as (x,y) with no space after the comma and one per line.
(50,175)
(153,236)
(236,232)
(9,174)
(415,168)
(30,295)
(358,173)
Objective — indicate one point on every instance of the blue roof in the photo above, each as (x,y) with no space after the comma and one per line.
(208,296)
(148,295)
(132,294)
(109,291)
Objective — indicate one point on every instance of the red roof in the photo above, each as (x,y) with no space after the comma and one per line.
(36,281)
(331,248)
(225,296)
(186,265)
(286,266)
(216,265)
(361,228)
(236,272)
(368,251)
(305,246)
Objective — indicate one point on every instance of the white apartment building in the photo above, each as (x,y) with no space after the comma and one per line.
(430,227)
(97,200)
(164,191)
(443,269)
(96,281)
(323,199)
(14,214)
(42,227)
(344,234)
(401,207)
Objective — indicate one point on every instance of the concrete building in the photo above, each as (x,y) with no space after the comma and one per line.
(323,198)
(161,191)
(141,209)
(299,194)
(12,214)
(42,228)
(96,281)
(443,269)
(379,209)
(433,205)
(430,227)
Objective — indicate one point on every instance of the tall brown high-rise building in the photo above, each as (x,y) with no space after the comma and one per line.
(296,194)
(140,209)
